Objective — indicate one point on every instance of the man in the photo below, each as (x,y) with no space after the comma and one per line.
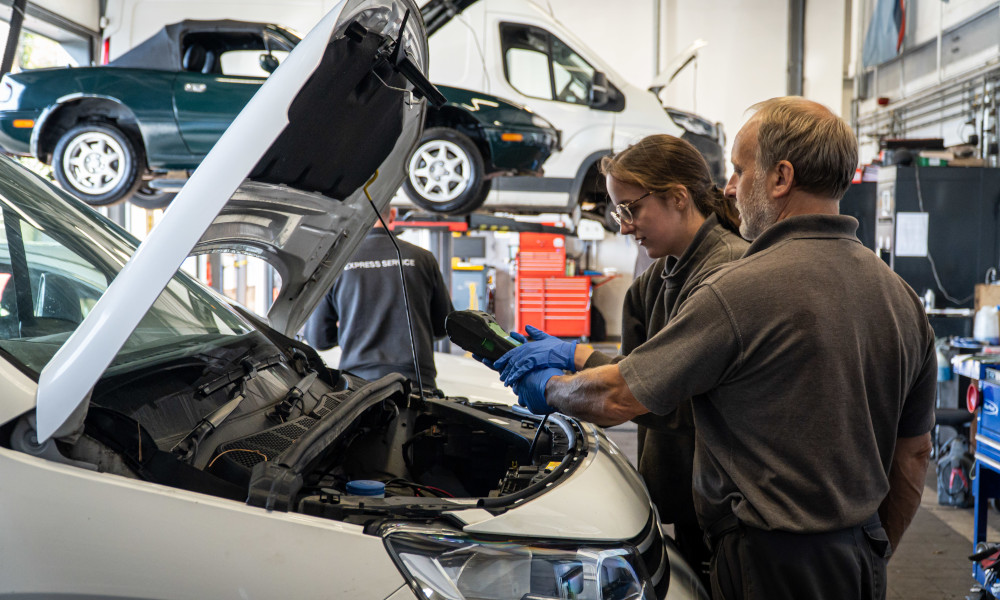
(365,314)
(812,369)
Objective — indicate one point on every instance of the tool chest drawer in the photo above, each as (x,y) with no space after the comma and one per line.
(560,306)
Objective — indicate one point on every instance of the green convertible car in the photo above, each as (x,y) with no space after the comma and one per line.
(135,127)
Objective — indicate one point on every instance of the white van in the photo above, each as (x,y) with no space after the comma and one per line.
(518,50)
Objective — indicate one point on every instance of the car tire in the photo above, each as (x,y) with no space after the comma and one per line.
(445,174)
(97,163)
(150,198)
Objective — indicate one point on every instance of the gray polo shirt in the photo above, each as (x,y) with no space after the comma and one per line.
(655,295)
(806,359)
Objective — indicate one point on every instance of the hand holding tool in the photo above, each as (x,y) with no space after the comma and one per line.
(543,350)
(479,333)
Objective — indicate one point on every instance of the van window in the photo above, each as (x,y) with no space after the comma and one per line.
(529,72)
(571,74)
(526,60)
(540,65)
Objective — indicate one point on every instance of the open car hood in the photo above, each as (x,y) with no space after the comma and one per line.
(287,182)
(677,64)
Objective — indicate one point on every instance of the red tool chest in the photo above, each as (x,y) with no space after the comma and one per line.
(545,297)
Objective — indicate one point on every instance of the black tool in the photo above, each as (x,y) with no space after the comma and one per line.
(479,333)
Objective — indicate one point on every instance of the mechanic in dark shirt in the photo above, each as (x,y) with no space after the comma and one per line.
(664,196)
(812,371)
(365,315)
(689,228)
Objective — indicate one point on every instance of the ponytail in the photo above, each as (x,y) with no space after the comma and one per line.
(661,163)
(724,208)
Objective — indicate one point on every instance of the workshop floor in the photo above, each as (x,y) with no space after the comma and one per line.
(931,562)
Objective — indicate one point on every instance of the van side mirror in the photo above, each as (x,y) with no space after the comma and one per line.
(268,62)
(598,90)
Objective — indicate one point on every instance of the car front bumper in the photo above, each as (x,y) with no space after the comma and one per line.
(15,137)
(519,150)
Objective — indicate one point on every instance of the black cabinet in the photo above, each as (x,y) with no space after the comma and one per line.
(963,242)
(859,202)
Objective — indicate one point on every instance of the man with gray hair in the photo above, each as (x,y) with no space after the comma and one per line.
(812,369)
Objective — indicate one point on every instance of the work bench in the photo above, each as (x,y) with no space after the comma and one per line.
(983,400)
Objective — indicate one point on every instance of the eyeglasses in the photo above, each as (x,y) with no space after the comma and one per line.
(622,213)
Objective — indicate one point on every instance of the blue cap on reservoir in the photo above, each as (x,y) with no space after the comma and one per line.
(366,487)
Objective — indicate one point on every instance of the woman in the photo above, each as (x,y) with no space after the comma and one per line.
(663,195)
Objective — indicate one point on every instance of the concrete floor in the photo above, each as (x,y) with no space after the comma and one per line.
(931,562)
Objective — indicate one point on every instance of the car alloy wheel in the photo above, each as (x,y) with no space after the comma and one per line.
(445,173)
(96,163)
(440,170)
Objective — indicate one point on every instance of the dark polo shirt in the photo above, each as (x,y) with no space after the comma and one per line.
(806,359)
(666,442)
(654,297)
(365,314)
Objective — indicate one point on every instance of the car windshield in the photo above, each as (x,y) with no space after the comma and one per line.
(57,257)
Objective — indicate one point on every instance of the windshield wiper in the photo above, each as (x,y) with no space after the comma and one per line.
(247,370)
(187,448)
(283,409)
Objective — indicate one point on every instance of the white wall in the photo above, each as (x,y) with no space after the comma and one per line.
(827,55)
(621,32)
(745,61)
(84,12)
(132,21)
(615,252)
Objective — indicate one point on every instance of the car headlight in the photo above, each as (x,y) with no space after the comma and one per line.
(447,565)
(692,123)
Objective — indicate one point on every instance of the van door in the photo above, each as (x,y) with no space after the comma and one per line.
(553,80)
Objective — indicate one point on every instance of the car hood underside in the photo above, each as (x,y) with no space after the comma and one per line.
(293,180)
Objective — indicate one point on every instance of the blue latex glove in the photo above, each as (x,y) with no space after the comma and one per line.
(543,350)
(530,390)
(489,363)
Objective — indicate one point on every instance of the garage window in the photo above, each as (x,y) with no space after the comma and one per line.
(48,39)
(37,51)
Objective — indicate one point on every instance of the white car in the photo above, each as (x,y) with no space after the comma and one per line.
(158,442)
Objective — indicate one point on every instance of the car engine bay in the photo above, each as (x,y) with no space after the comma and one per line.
(300,432)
